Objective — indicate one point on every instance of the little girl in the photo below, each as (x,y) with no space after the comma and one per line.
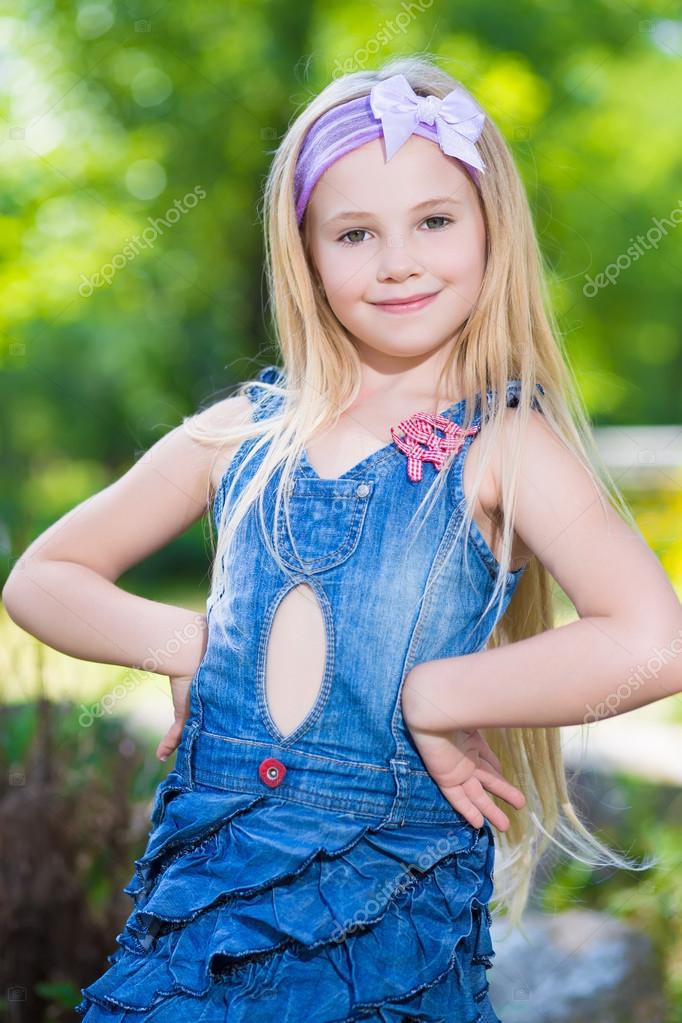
(391,503)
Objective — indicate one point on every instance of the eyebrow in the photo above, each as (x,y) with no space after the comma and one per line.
(438,200)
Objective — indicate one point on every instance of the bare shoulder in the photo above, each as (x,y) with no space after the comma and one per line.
(223,414)
(564,516)
(488,511)
(535,444)
(537,435)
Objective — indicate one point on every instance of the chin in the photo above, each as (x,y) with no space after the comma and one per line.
(408,349)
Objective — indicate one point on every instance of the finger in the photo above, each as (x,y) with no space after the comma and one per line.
(491,758)
(475,746)
(501,787)
(459,800)
(163,751)
(485,751)
(486,767)
(480,798)
(170,741)
(494,763)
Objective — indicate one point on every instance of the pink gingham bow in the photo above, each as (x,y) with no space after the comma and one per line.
(458,120)
(420,428)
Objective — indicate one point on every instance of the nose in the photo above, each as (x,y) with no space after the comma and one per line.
(396,261)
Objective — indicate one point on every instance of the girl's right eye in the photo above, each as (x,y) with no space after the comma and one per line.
(356,230)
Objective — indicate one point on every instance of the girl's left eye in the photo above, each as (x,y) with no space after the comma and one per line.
(446,219)
(361,230)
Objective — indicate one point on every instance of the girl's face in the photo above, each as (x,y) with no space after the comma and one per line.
(421,233)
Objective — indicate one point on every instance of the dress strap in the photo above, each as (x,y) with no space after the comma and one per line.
(512,396)
(265,403)
(514,393)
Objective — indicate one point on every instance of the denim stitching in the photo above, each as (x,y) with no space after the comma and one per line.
(426,604)
(333,558)
(313,756)
(325,687)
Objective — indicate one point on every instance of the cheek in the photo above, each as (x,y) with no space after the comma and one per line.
(464,277)
(343,272)
(460,258)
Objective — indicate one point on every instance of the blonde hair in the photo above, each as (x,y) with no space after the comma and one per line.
(509,334)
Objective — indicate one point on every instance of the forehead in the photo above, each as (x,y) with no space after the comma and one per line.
(364,180)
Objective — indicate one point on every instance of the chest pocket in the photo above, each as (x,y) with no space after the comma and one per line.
(326,517)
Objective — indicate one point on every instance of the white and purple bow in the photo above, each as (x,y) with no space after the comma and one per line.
(457,119)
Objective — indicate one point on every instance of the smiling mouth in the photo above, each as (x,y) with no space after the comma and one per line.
(409,305)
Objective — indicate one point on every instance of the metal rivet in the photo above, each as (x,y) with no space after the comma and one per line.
(362,490)
(271,771)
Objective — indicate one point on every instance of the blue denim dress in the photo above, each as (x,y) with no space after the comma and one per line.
(319,875)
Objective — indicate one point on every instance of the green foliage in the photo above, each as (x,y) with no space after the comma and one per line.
(115,113)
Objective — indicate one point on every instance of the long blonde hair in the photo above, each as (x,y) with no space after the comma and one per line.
(510,334)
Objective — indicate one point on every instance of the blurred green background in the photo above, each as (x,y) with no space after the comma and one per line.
(135,139)
(113,113)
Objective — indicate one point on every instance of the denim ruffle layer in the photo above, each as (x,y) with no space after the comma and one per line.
(253,908)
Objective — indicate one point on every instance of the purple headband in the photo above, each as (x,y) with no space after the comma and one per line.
(394,110)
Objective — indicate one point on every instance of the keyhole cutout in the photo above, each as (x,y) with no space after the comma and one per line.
(295,659)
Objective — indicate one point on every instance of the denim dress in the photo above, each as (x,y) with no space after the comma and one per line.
(319,876)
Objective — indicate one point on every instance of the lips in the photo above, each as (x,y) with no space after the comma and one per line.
(409,305)
(407,299)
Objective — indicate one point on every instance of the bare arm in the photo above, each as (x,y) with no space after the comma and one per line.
(623,653)
(63,587)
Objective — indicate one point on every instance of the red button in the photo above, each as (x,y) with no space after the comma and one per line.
(272,771)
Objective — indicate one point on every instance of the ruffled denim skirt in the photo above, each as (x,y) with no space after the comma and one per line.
(255,909)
